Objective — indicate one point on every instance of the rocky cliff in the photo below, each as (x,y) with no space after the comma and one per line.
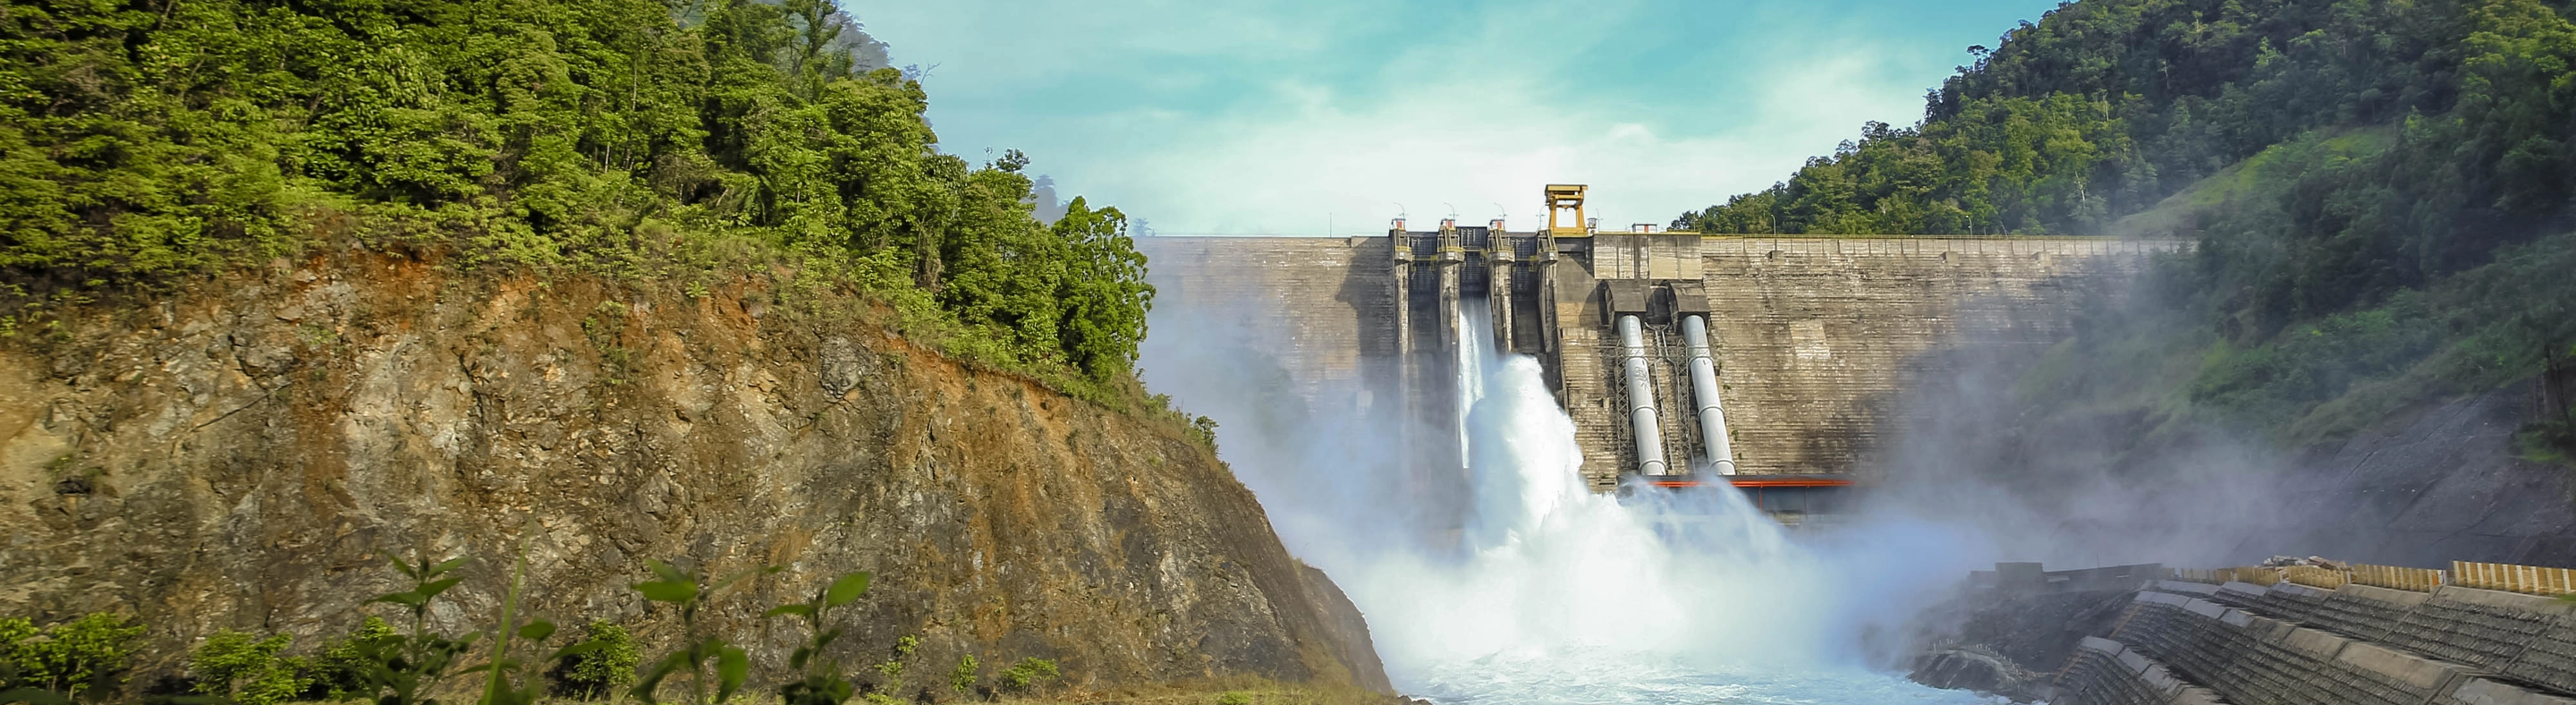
(2444,484)
(245,454)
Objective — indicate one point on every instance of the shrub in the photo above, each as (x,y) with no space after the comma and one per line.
(340,672)
(962,679)
(81,659)
(892,667)
(1029,672)
(247,671)
(601,671)
(14,634)
(1236,697)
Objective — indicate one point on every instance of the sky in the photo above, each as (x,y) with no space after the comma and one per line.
(1332,116)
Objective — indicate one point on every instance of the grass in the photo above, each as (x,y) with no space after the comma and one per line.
(2258,177)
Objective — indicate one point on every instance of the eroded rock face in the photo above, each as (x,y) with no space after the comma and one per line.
(246,454)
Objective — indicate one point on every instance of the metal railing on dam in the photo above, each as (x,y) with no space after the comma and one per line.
(1810,338)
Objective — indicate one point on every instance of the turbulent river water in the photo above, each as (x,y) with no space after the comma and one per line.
(1554,594)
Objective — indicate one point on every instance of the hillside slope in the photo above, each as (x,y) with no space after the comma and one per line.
(2383,196)
(246,454)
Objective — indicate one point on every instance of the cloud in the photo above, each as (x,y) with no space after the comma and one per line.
(1275,118)
(1471,141)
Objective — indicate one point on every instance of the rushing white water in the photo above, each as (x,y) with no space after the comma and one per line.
(1561,595)
(1511,582)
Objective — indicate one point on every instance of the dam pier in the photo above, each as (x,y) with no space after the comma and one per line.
(1768,362)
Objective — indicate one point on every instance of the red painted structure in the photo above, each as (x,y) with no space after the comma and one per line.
(1798,494)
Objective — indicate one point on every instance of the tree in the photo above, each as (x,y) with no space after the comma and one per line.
(1105,295)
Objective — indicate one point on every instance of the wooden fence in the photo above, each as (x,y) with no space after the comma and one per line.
(2265,577)
(2533,580)
(2395,578)
(2315,577)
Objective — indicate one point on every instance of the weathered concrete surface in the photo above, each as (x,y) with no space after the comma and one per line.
(1326,304)
(1816,336)
(245,454)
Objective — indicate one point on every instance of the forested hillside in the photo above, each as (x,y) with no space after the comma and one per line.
(2380,190)
(150,143)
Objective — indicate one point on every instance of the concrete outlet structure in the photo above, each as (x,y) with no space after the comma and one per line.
(1803,341)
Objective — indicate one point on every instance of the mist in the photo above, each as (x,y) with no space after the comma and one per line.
(1511,566)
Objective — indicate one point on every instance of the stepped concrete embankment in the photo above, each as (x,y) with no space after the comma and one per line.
(2180,643)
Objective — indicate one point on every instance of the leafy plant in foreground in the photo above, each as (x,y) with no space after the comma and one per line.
(706,658)
(341,671)
(821,684)
(517,681)
(406,668)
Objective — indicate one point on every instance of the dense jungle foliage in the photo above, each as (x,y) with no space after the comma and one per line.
(146,142)
(2379,190)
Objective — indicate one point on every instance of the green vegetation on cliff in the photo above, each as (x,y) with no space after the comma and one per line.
(2380,191)
(146,142)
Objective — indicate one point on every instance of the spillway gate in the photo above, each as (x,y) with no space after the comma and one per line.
(1568,317)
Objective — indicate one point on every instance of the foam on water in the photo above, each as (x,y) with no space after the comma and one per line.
(1611,678)
(1561,595)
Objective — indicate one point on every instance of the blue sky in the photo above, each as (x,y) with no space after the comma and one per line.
(1292,117)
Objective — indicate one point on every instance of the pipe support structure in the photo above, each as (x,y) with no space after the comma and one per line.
(1712,414)
(1641,399)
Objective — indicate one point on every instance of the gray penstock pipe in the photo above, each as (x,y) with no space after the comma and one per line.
(1641,399)
(1712,416)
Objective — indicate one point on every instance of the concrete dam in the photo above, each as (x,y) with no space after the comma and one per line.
(1768,362)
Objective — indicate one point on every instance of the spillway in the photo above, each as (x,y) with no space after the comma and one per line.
(1547,592)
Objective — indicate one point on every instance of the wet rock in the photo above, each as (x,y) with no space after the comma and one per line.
(1977,670)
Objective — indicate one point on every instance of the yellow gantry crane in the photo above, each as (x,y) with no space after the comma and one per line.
(1562,198)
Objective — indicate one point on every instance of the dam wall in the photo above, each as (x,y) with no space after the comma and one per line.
(1324,306)
(1816,336)
(2298,645)
(1813,337)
